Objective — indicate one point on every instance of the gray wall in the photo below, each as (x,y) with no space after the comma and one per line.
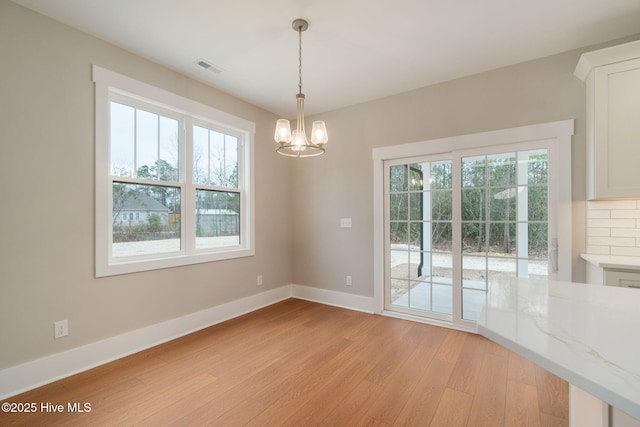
(46,185)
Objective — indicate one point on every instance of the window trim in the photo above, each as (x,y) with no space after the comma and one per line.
(107,82)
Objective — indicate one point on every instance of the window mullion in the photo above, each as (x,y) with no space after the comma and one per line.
(188,240)
(209,156)
(245,202)
(522,215)
(134,171)
(456,233)
(224,159)
(158,149)
(143,181)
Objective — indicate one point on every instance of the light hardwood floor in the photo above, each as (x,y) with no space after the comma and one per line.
(299,363)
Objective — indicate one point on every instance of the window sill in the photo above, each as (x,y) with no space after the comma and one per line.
(126,266)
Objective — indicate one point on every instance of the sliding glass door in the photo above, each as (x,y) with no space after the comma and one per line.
(420,237)
(456,221)
(503,221)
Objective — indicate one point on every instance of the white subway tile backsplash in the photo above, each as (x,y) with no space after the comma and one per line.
(611,241)
(625,213)
(612,204)
(605,213)
(611,223)
(603,232)
(625,251)
(613,227)
(598,250)
(624,232)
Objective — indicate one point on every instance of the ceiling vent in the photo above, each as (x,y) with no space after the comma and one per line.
(207,65)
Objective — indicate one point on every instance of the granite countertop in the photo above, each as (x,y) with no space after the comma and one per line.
(612,261)
(586,334)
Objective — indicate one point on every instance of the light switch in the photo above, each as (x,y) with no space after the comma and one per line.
(345,222)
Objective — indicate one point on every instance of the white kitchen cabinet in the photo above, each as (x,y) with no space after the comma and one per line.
(586,410)
(601,273)
(623,278)
(612,78)
(609,271)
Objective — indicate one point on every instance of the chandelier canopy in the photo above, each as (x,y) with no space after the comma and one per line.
(295,144)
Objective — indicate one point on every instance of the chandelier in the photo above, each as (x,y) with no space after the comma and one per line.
(295,144)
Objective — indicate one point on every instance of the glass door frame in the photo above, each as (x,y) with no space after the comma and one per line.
(388,164)
(557,138)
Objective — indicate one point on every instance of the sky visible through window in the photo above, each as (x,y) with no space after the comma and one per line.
(142,139)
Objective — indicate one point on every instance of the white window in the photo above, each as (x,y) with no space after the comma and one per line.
(184,168)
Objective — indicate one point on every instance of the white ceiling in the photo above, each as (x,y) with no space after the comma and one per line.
(354,50)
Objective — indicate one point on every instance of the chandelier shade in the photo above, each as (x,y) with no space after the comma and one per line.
(295,143)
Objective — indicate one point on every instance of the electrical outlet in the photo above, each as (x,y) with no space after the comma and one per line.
(259,280)
(61,328)
(349,282)
(345,222)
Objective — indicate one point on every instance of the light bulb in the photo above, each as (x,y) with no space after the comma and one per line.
(299,141)
(283,131)
(319,133)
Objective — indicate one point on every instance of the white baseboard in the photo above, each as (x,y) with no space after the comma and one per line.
(335,298)
(27,376)
(20,378)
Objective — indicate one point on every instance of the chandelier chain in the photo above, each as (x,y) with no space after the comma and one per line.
(300,59)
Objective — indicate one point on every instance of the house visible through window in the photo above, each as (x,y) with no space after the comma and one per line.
(215,173)
(183,169)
